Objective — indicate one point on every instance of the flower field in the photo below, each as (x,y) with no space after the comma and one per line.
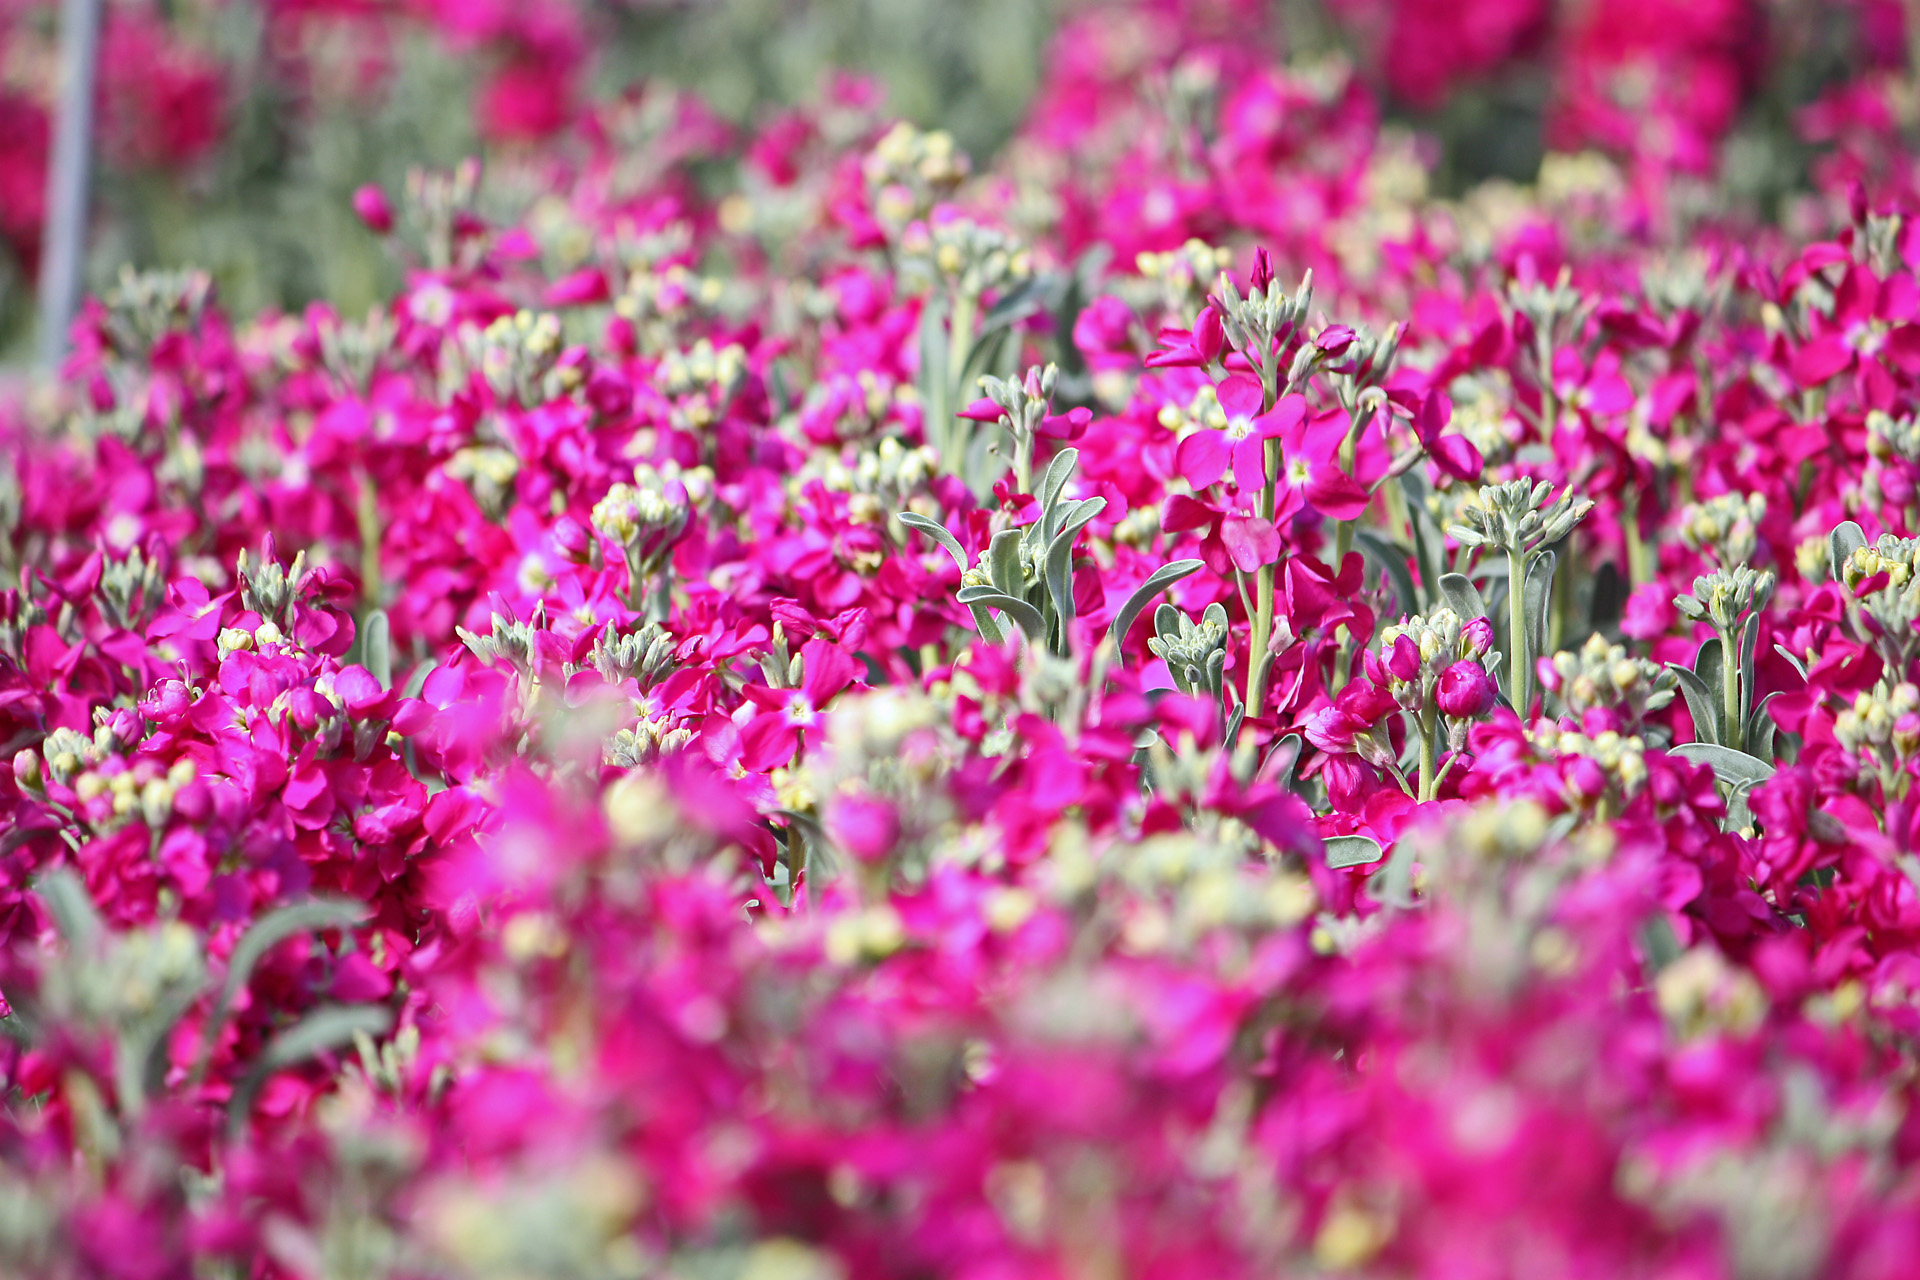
(1210,694)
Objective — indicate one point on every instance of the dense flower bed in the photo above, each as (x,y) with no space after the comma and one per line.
(1175,706)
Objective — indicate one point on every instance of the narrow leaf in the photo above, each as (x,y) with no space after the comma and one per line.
(377,650)
(1462,596)
(1157,581)
(938,532)
(1730,766)
(1025,616)
(1353,851)
(1702,706)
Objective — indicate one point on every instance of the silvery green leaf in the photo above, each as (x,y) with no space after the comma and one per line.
(1166,621)
(1393,560)
(1029,619)
(1798,665)
(1462,596)
(1842,543)
(987,625)
(1003,563)
(938,532)
(1749,636)
(1353,851)
(1760,730)
(1539,589)
(1059,564)
(1702,706)
(1058,472)
(328,1027)
(71,907)
(1465,537)
(1730,766)
(1157,581)
(1286,753)
(377,647)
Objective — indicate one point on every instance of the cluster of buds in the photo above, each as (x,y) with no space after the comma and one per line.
(1184,274)
(961,256)
(1195,652)
(645,520)
(645,656)
(1883,725)
(1883,579)
(515,354)
(1025,409)
(703,379)
(1604,677)
(1264,323)
(881,479)
(1518,518)
(440,207)
(143,307)
(654,301)
(508,639)
(1608,768)
(1726,597)
(645,742)
(1358,362)
(1552,315)
(130,589)
(1726,527)
(911,170)
(488,471)
(267,588)
(1438,662)
(352,351)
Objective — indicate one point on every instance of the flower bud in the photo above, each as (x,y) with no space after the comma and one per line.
(1476,637)
(1403,659)
(1466,691)
(370,204)
(27,774)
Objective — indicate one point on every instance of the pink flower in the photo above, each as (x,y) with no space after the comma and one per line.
(1465,691)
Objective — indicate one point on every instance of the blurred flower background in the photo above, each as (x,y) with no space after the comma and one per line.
(232,133)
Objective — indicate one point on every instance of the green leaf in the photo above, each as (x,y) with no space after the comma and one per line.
(1029,619)
(1749,636)
(1157,581)
(1798,665)
(938,532)
(1003,563)
(268,932)
(1055,478)
(1730,766)
(328,1027)
(1760,730)
(1389,557)
(1539,590)
(1059,565)
(1842,543)
(376,651)
(1287,751)
(71,907)
(1462,596)
(1353,851)
(1702,705)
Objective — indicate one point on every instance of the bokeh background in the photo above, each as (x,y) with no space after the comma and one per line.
(232,133)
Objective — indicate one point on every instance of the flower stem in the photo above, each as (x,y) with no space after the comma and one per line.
(1730,674)
(1518,659)
(1429,751)
(1262,594)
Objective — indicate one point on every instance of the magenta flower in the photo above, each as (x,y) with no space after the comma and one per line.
(1465,691)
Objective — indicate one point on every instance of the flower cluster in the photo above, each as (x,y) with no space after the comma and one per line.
(809,705)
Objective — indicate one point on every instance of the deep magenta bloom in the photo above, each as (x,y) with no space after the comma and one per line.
(1466,691)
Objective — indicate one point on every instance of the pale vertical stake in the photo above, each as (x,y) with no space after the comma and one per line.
(69,178)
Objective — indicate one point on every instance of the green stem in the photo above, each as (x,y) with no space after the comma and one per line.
(1518,659)
(1429,751)
(959,351)
(1730,674)
(1263,589)
(367,517)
